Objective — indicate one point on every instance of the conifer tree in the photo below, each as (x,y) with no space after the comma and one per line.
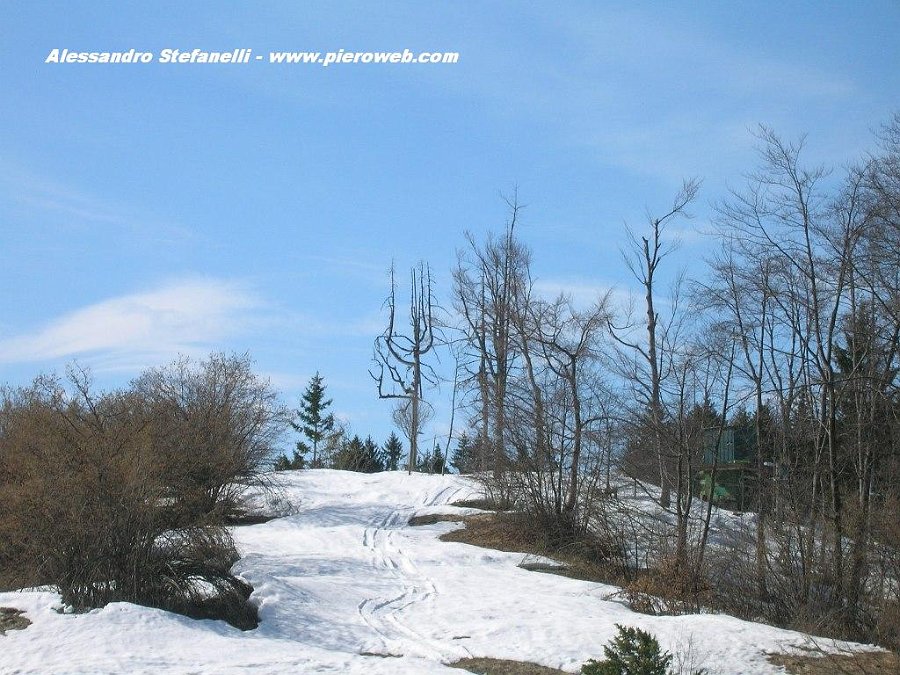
(465,458)
(432,462)
(373,460)
(314,422)
(393,451)
(631,652)
(298,461)
(359,455)
(438,461)
(350,457)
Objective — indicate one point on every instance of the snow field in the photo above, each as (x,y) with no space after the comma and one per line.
(344,585)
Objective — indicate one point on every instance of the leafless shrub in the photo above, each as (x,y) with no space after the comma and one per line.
(214,425)
(122,495)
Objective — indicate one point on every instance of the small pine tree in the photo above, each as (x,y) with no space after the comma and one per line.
(465,458)
(423,461)
(282,463)
(393,451)
(359,455)
(350,455)
(372,461)
(437,461)
(631,652)
(298,461)
(314,423)
(432,462)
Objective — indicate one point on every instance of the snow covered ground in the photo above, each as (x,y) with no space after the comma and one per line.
(344,585)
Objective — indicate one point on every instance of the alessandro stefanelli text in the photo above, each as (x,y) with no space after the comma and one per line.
(165,56)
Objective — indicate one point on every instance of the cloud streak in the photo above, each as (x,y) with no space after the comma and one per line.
(137,329)
(79,211)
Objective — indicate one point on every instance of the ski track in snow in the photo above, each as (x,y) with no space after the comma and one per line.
(385,616)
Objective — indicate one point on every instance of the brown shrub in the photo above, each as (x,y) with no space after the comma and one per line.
(119,497)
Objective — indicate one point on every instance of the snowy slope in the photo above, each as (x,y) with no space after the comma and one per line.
(345,586)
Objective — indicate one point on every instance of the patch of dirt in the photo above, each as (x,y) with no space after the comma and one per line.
(12,619)
(483,504)
(485,666)
(510,532)
(240,519)
(549,568)
(495,531)
(432,518)
(857,663)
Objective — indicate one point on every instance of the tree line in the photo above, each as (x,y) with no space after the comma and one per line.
(327,443)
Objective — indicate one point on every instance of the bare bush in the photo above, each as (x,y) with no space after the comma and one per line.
(121,495)
(214,425)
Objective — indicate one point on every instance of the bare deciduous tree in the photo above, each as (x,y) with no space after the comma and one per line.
(487,288)
(643,260)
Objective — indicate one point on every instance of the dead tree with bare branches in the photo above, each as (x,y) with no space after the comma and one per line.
(400,370)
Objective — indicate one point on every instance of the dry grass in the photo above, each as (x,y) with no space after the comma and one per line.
(859,663)
(501,532)
(486,666)
(515,533)
(10,581)
(432,518)
(12,619)
(483,504)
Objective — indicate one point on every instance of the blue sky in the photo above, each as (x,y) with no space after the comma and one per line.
(147,210)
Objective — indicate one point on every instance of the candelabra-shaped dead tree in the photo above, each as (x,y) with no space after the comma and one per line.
(400,371)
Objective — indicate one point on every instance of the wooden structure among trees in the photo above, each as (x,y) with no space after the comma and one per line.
(731,452)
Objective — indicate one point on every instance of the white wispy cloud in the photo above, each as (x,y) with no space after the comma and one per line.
(131,331)
(79,210)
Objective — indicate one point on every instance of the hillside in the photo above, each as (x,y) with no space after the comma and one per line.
(344,585)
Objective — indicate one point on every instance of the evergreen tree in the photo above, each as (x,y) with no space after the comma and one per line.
(282,463)
(432,462)
(465,458)
(423,461)
(438,461)
(350,455)
(298,461)
(372,460)
(393,451)
(314,422)
(631,652)
(359,455)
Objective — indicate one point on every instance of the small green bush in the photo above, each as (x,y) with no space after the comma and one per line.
(631,652)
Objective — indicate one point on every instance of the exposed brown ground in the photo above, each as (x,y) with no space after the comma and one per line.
(860,663)
(510,532)
(483,504)
(12,619)
(485,666)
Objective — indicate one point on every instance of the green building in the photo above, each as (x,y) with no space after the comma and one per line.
(734,458)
